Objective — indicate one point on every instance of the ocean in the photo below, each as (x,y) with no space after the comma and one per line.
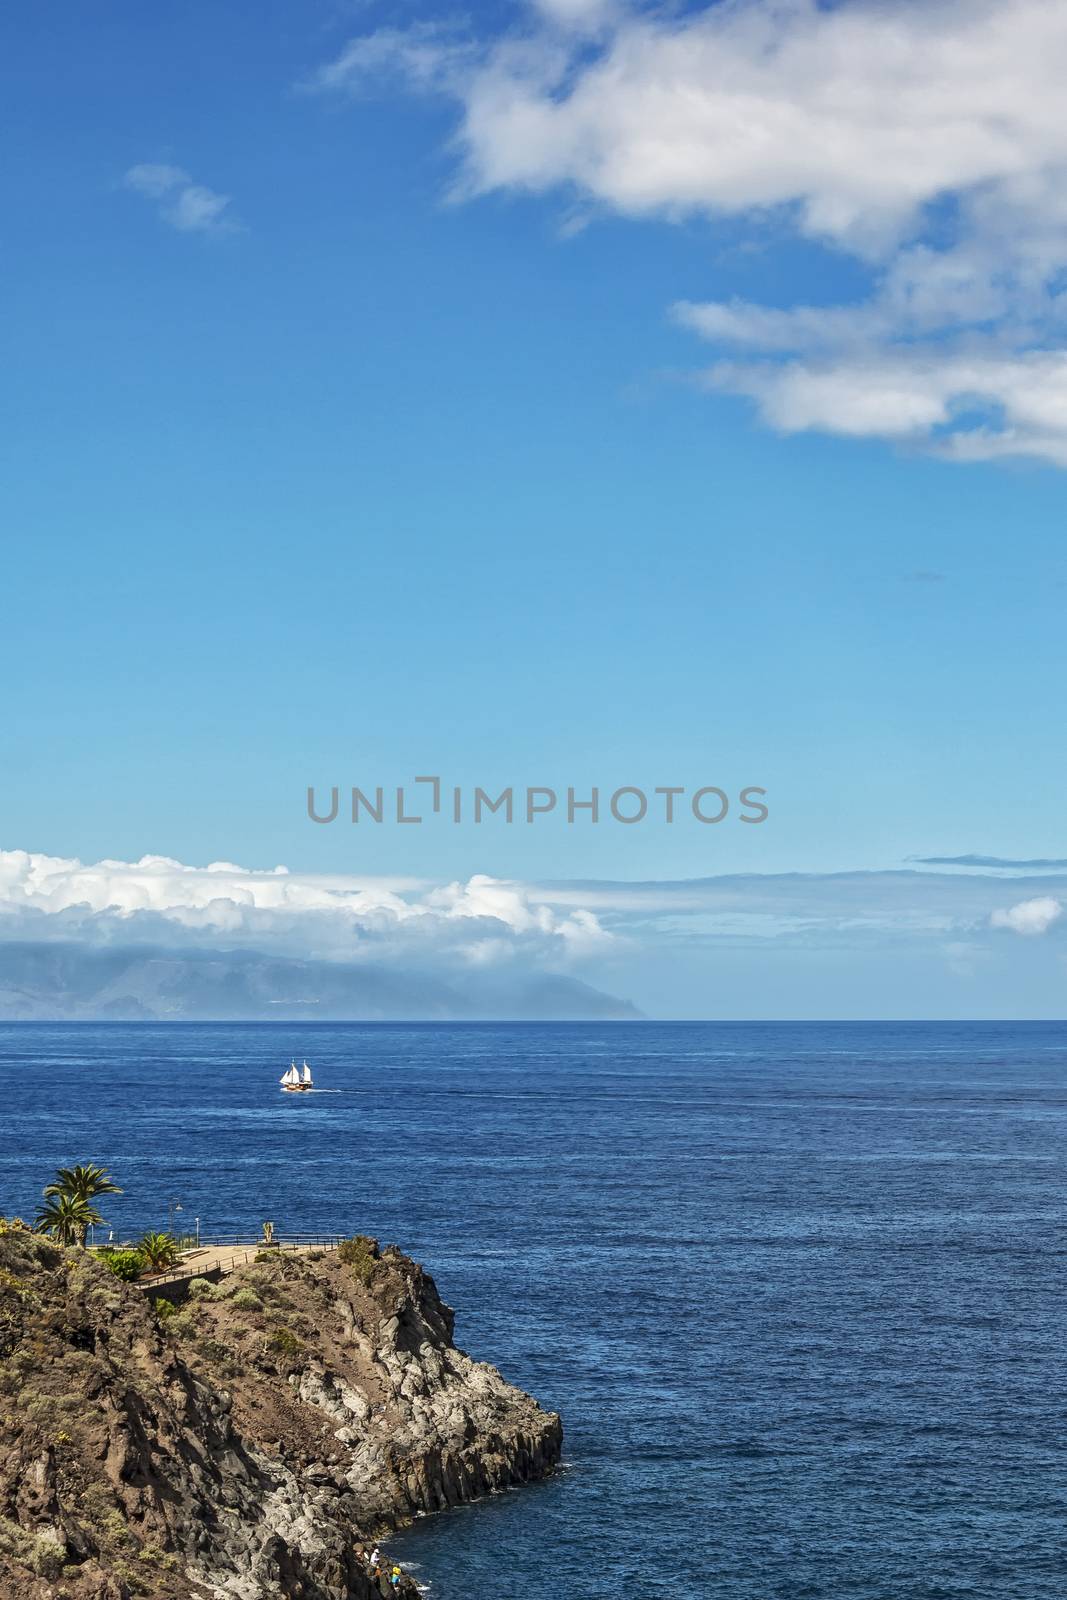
(797,1289)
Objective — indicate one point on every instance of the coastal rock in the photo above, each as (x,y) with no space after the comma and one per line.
(249,1445)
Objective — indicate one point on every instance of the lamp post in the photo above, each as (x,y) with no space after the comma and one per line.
(198,1233)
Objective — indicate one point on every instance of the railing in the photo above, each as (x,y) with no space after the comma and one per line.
(277,1238)
(254,1244)
(190,1242)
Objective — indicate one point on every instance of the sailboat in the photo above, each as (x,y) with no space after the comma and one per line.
(293,1081)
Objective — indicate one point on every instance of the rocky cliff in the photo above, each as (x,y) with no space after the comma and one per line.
(250,1444)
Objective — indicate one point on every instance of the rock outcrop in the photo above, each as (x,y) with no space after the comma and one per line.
(254,1443)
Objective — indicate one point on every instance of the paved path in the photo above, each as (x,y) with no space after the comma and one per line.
(223,1258)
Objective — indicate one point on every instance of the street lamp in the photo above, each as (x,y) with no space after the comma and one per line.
(198,1233)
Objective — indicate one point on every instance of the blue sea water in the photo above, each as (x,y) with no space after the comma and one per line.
(798,1290)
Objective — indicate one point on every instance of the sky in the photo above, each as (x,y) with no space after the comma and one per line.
(559,394)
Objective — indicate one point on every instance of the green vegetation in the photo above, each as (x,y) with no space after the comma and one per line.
(247,1300)
(155,1252)
(68,1212)
(82,1183)
(202,1289)
(165,1309)
(125,1264)
(361,1254)
(39,1552)
(283,1340)
(66,1219)
(159,1251)
(212,1350)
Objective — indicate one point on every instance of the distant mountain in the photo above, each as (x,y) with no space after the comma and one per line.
(73,982)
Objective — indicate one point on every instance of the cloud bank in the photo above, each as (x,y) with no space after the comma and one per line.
(486,922)
(156,938)
(924,141)
(159,938)
(480,922)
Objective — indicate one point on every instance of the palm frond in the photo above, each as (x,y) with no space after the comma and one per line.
(83,1182)
(66,1219)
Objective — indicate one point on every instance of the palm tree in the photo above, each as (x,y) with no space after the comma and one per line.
(66,1218)
(85,1183)
(159,1251)
(81,1185)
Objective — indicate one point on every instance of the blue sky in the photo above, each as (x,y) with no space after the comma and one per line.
(404,460)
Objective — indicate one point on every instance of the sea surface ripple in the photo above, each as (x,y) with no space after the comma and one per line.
(798,1290)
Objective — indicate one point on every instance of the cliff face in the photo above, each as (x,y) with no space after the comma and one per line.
(247,1446)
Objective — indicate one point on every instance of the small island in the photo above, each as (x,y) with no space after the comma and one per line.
(238,1439)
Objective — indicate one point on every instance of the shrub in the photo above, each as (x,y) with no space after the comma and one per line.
(131,1577)
(47,1557)
(14,1540)
(17,1287)
(212,1350)
(201,1289)
(165,1309)
(125,1264)
(115,1528)
(248,1300)
(159,1251)
(285,1342)
(361,1254)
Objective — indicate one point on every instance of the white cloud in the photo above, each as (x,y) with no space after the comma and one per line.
(185,205)
(858,115)
(155,179)
(328,916)
(578,14)
(196,209)
(1029,917)
(830,910)
(925,139)
(426,56)
(966,407)
(480,923)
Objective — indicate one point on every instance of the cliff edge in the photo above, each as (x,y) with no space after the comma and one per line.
(251,1444)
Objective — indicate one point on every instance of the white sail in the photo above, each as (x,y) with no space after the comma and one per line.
(307,1073)
(290,1075)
